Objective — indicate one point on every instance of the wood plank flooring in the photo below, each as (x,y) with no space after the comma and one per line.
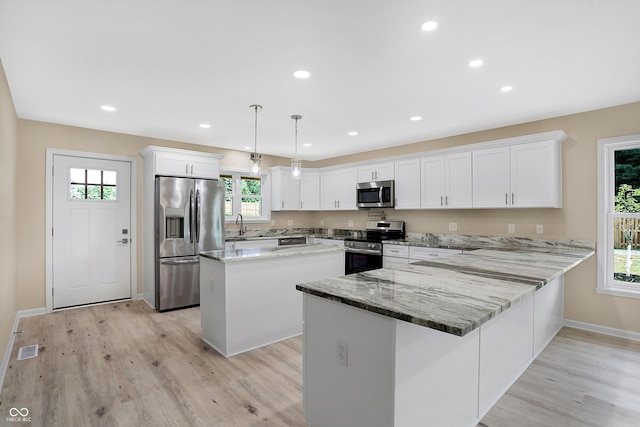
(125,364)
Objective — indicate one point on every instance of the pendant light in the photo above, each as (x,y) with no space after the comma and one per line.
(296,163)
(255,157)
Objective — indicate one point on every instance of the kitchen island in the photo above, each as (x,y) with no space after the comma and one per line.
(431,343)
(248,297)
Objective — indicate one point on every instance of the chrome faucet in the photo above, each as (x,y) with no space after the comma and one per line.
(242,229)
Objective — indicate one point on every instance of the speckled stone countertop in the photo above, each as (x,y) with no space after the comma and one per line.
(236,255)
(454,294)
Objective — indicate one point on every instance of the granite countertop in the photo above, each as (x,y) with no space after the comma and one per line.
(236,255)
(454,294)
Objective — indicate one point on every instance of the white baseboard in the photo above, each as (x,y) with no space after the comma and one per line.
(7,354)
(605,330)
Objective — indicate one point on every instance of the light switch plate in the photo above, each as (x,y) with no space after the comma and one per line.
(539,229)
(511,228)
(289,222)
(453,226)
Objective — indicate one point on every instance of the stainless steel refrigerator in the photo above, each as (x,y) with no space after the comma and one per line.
(189,219)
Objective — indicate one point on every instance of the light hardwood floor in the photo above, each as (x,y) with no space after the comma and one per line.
(125,364)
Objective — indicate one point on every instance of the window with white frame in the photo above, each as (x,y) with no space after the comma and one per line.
(619,216)
(247,195)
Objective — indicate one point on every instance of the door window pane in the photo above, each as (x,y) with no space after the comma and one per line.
(92,184)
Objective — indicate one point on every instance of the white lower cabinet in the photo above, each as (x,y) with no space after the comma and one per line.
(397,255)
(330,242)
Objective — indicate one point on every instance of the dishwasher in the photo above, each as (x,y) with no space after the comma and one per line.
(290,241)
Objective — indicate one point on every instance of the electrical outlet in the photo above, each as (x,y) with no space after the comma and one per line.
(342,353)
(322,223)
(453,226)
(273,222)
(350,223)
(539,229)
(289,222)
(511,228)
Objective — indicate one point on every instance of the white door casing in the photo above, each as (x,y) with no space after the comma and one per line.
(87,259)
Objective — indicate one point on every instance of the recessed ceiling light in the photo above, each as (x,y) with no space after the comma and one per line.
(302,74)
(429,26)
(475,63)
(352,133)
(108,108)
(205,125)
(306,144)
(415,118)
(506,88)
(248,148)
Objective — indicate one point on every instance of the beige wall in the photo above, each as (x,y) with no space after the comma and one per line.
(8,142)
(576,220)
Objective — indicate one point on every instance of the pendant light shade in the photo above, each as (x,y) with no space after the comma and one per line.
(296,163)
(255,157)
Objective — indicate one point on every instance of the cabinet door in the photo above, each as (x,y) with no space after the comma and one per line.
(536,175)
(310,190)
(458,181)
(366,173)
(432,182)
(407,184)
(203,167)
(385,171)
(376,172)
(285,191)
(491,178)
(347,180)
(171,164)
(329,190)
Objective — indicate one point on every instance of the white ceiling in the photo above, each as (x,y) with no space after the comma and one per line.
(170,65)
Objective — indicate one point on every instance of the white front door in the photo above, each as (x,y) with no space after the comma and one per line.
(91,230)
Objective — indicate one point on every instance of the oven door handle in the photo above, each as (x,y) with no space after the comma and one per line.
(364,251)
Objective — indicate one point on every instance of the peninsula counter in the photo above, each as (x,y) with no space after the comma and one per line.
(431,343)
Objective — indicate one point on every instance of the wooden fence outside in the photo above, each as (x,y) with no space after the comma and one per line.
(619,240)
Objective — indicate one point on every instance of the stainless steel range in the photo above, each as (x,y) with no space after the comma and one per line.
(366,254)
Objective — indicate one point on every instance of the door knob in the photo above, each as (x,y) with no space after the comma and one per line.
(123,241)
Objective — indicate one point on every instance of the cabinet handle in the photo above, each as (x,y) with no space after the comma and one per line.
(446,200)
(192,169)
(186,169)
(441,201)
(338,203)
(513,199)
(506,199)
(282,204)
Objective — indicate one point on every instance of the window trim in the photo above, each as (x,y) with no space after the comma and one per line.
(266,195)
(606,177)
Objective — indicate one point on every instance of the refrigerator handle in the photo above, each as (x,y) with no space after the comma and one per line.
(197,219)
(191,202)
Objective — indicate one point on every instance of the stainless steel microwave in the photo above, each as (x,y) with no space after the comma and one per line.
(375,194)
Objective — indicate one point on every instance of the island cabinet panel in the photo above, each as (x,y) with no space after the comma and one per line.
(253,302)
(506,350)
(436,377)
(549,314)
(360,393)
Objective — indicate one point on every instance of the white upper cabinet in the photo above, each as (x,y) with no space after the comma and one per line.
(174,162)
(520,176)
(288,194)
(285,191)
(338,189)
(407,184)
(446,181)
(376,172)
(491,178)
(310,190)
